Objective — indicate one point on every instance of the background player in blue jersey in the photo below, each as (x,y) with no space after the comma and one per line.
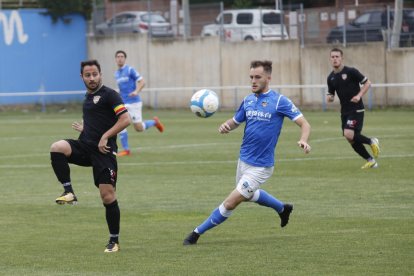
(130,83)
(263,112)
(104,116)
(350,86)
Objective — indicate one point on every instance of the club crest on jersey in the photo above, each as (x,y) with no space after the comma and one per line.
(344,76)
(96,99)
(264,104)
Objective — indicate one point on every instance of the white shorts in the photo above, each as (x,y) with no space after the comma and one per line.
(135,112)
(249,178)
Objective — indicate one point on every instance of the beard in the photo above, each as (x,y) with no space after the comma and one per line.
(258,89)
(92,86)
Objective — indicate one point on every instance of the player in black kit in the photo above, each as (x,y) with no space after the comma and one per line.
(104,116)
(350,85)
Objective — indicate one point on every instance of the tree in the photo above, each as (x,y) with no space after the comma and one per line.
(59,9)
(242,4)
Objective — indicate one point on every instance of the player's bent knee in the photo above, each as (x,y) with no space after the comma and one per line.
(350,140)
(107,193)
(139,128)
(233,200)
(108,198)
(229,205)
(60,146)
(349,135)
(105,180)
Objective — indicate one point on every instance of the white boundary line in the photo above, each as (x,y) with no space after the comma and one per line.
(192,162)
(177,146)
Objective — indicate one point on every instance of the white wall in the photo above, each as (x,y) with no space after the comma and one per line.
(206,62)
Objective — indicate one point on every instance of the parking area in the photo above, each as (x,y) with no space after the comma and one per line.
(350,24)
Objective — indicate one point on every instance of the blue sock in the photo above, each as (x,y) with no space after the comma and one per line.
(263,198)
(123,135)
(149,123)
(218,216)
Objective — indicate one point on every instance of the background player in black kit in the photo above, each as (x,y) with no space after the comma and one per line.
(104,116)
(350,85)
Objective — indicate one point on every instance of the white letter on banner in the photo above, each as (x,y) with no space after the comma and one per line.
(8,28)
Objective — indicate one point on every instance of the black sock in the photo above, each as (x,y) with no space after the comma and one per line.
(61,168)
(113,217)
(68,187)
(361,150)
(359,138)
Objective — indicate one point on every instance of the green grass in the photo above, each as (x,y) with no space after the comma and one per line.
(346,221)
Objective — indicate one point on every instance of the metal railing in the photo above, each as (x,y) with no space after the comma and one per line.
(313,96)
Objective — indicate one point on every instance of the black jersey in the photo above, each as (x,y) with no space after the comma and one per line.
(346,84)
(100,112)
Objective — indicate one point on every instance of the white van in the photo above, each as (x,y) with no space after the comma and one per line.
(248,24)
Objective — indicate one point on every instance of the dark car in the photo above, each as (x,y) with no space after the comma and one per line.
(370,26)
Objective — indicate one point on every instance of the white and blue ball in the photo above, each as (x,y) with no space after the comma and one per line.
(204,103)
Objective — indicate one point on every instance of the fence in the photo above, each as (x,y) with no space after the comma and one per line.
(306,96)
(361,23)
(310,26)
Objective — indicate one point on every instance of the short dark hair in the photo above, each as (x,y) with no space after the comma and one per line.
(91,62)
(266,64)
(337,50)
(120,52)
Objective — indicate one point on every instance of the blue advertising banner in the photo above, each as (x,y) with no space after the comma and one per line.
(37,55)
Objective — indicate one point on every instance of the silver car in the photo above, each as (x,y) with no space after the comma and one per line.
(137,22)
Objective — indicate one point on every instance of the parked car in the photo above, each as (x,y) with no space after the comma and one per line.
(371,26)
(248,24)
(136,22)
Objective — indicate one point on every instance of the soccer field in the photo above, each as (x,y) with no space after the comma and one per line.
(346,221)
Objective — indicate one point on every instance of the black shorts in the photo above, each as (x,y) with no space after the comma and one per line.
(104,166)
(353,121)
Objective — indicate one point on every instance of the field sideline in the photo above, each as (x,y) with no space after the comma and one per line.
(346,221)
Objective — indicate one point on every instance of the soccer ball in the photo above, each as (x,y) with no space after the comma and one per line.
(204,103)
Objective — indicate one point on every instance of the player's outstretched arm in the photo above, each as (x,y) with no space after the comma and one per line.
(227,126)
(305,133)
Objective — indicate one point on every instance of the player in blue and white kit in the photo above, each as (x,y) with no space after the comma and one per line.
(263,112)
(130,83)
